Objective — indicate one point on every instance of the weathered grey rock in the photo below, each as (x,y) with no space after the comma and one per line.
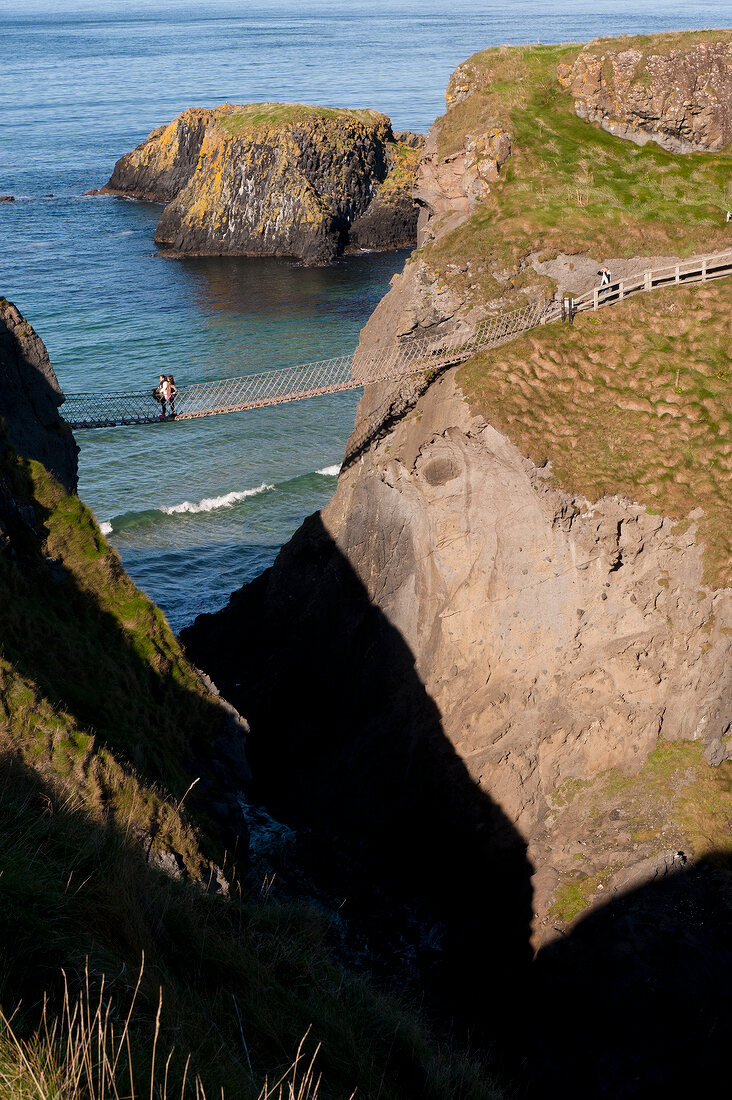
(716,752)
(30,397)
(681,99)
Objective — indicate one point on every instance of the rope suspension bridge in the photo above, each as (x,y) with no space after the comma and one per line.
(408,357)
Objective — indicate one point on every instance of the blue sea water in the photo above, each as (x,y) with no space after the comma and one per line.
(197,508)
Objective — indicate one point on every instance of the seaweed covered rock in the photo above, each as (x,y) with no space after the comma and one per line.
(275,179)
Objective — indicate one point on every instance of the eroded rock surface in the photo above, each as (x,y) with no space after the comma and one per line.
(447,188)
(556,638)
(30,397)
(276,179)
(681,99)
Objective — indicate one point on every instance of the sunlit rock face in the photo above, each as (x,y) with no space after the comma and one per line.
(276,179)
(682,99)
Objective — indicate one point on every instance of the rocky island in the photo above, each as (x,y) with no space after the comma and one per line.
(276,179)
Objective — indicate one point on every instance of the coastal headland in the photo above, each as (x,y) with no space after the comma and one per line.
(500,657)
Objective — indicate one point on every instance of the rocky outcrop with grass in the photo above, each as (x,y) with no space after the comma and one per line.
(678,95)
(276,179)
(501,655)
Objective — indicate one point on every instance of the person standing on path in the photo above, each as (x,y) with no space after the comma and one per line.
(604,274)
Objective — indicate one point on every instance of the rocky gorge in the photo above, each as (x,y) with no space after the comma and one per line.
(520,591)
(276,179)
(128,889)
(485,690)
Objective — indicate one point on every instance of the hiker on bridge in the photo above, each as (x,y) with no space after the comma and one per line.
(170,392)
(604,274)
(160,395)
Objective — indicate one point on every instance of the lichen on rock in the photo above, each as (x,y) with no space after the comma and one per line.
(679,98)
(275,179)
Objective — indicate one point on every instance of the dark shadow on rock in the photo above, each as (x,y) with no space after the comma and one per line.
(30,397)
(636,1001)
(345,737)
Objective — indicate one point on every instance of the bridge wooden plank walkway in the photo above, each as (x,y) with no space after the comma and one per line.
(410,356)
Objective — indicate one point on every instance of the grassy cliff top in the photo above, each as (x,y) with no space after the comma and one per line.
(568,185)
(662,43)
(281,115)
(635,399)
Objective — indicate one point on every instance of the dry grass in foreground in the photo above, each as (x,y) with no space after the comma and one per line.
(80,1055)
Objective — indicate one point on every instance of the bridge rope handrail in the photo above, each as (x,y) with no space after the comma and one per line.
(409,356)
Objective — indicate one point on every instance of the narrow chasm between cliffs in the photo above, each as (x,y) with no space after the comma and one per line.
(345,738)
(347,743)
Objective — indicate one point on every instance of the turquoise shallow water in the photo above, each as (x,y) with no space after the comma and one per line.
(197,508)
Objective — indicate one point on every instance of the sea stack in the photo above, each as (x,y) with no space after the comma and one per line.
(276,179)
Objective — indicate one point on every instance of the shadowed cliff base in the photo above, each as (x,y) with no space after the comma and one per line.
(345,737)
(635,1001)
(100,863)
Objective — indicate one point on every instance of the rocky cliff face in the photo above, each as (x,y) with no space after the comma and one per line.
(30,397)
(275,179)
(557,627)
(556,638)
(680,98)
(501,656)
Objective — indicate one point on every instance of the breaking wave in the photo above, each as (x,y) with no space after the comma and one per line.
(210,504)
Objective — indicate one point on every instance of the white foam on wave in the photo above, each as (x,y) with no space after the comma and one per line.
(210,504)
(106,528)
(329,471)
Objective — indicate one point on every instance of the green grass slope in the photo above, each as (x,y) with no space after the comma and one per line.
(635,399)
(103,727)
(568,185)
